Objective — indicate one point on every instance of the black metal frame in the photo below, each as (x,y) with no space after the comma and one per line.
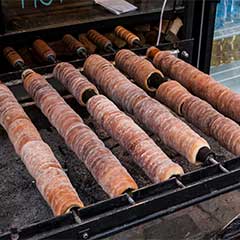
(205,47)
(115,215)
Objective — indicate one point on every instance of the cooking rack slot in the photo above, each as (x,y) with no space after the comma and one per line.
(41,228)
(203,173)
(232,164)
(154,189)
(117,214)
(102,207)
(214,162)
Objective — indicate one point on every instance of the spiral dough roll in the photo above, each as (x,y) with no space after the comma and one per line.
(99,39)
(154,115)
(38,158)
(75,82)
(126,35)
(139,69)
(202,115)
(202,85)
(73,44)
(91,48)
(12,56)
(171,95)
(104,166)
(122,128)
(43,50)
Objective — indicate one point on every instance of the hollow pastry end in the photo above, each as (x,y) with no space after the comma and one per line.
(26,73)
(173,171)
(194,158)
(87,94)
(70,208)
(154,80)
(125,187)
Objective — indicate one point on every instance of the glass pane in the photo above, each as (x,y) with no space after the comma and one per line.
(226,45)
(31,14)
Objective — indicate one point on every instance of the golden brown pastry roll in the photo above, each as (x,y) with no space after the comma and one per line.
(13,57)
(172,96)
(126,35)
(173,132)
(139,69)
(75,82)
(151,113)
(51,180)
(118,42)
(38,158)
(101,41)
(104,166)
(44,51)
(123,129)
(74,45)
(91,48)
(201,114)
(202,85)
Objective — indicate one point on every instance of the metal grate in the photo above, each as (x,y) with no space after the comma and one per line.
(115,215)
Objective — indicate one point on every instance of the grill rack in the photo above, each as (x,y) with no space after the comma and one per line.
(115,215)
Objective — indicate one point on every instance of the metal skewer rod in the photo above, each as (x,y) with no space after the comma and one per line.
(52,59)
(75,215)
(110,48)
(213,161)
(82,53)
(137,44)
(20,65)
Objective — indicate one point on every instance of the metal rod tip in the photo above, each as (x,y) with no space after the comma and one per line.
(52,59)
(111,49)
(137,44)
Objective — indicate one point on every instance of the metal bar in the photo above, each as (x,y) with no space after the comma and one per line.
(186,45)
(188,18)
(203,28)
(207,34)
(130,199)
(76,217)
(115,215)
(179,183)
(213,161)
(201,32)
